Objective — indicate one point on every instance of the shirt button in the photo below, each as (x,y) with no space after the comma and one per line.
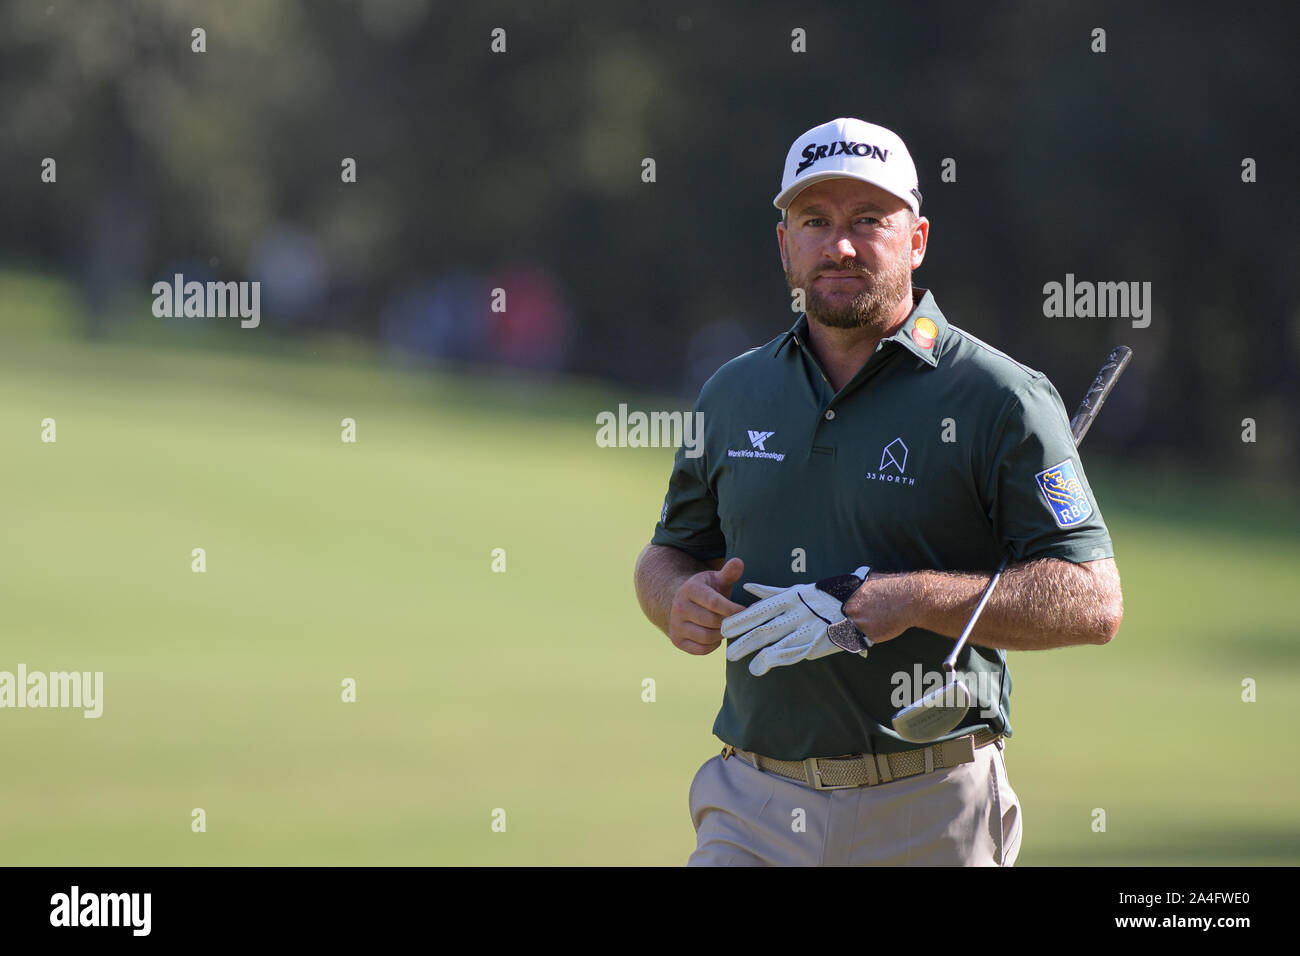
(830,414)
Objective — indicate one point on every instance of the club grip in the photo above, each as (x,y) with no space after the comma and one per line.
(1101,386)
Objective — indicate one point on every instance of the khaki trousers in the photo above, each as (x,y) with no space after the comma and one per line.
(961,816)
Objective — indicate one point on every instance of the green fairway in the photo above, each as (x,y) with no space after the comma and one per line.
(519,690)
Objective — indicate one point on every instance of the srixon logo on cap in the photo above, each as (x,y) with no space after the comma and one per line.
(813,152)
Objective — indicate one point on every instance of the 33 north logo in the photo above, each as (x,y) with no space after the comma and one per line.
(894,456)
(893,464)
(1064,493)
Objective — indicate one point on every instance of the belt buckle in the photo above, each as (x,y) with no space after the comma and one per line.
(813,775)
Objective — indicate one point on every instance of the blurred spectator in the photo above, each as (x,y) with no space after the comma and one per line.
(289,264)
(445,318)
(535,329)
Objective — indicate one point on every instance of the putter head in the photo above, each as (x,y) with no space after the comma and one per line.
(934,715)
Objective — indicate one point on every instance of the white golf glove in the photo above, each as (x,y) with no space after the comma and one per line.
(800,623)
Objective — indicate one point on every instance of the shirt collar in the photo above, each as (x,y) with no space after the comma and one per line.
(922,333)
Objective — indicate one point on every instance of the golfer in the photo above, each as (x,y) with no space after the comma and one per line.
(866,471)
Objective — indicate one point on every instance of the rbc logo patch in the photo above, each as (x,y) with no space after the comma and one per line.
(1061,487)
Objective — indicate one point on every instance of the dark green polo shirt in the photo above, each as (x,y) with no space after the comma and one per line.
(942,453)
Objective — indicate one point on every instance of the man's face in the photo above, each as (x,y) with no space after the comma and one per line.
(851,247)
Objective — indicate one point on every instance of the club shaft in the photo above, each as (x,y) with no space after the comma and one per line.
(950,661)
(1092,402)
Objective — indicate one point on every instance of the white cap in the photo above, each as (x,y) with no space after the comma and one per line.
(851,149)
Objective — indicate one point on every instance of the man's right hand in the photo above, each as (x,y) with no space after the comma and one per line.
(700,606)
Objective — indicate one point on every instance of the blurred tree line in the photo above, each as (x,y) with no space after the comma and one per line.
(1123,165)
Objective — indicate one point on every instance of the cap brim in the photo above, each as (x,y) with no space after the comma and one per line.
(786,197)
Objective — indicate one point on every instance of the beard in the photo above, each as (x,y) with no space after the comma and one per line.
(872,308)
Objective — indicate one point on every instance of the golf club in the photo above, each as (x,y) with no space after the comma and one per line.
(943,708)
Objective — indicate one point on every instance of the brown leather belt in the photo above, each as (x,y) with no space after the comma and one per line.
(870,770)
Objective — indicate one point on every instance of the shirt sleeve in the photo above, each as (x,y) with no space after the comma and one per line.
(689,519)
(1041,503)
